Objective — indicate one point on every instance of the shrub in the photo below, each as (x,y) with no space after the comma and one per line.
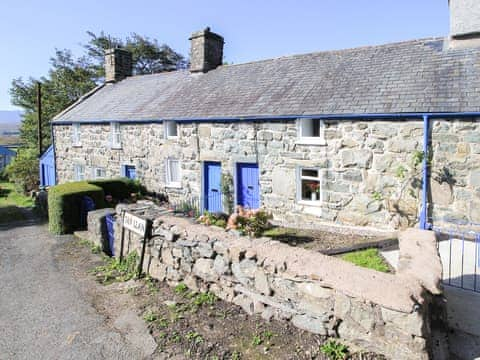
(23,170)
(64,205)
(253,223)
(217,219)
(334,350)
(119,188)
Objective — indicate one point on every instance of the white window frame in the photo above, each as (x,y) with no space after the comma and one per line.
(167,129)
(76,133)
(116,135)
(169,182)
(96,169)
(301,177)
(310,140)
(79,172)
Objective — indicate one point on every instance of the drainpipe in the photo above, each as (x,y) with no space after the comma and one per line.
(424,211)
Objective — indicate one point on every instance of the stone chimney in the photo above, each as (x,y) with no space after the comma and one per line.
(206,51)
(464,23)
(118,64)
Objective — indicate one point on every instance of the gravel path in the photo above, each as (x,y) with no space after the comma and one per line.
(46,312)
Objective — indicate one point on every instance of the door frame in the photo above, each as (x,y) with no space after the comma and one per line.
(251,161)
(203,185)
(123,170)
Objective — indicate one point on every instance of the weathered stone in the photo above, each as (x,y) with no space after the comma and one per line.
(410,323)
(361,158)
(284,289)
(187,243)
(224,293)
(191,282)
(364,315)
(173,274)
(311,324)
(220,265)
(168,259)
(236,254)
(158,271)
(403,145)
(166,234)
(261,282)
(342,305)
(202,238)
(220,248)
(203,268)
(441,193)
(315,290)
(245,302)
(204,250)
(268,313)
(353,175)
(177,252)
(475,178)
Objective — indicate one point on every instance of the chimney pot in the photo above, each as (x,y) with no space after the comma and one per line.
(206,51)
(118,64)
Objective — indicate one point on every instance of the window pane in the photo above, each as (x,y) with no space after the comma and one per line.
(310,172)
(171,128)
(173,171)
(310,127)
(310,190)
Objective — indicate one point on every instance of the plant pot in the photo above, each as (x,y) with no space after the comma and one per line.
(314,196)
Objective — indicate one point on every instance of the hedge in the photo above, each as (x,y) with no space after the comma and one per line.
(119,188)
(64,204)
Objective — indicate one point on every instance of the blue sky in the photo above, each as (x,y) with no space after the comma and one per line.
(30,30)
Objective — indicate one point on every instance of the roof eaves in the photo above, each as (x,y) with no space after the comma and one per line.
(79,101)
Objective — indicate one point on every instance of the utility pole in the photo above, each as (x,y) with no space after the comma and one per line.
(39,117)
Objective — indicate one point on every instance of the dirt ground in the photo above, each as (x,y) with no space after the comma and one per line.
(185,325)
(329,242)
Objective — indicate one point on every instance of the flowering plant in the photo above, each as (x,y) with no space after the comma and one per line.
(313,186)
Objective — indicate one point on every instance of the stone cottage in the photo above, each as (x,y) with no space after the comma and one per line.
(384,135)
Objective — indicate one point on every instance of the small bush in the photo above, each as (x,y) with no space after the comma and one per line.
(334,350)
(23,170)
(119,188)
(254,223)
(65,202)
(217,219)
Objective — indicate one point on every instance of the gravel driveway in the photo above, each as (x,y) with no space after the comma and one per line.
(46,311)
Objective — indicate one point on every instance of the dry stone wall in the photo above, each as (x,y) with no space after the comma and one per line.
(367,166)
(385,313)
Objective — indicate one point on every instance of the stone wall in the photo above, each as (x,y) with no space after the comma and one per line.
(367,166)
(386,313)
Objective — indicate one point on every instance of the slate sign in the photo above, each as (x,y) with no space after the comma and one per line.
(135,224)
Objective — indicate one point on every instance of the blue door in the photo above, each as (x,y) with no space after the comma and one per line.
(110,222)
(212,187)
(130,172)
(248,186)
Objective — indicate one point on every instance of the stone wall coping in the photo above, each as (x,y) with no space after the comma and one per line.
(420,268)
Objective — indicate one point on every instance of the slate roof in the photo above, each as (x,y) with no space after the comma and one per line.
(414,76)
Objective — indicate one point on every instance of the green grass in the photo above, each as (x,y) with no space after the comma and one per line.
(11,203)
(10,197)
(369,258)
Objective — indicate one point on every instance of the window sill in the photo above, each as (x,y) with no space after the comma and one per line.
(174,185)
(311,141)
(317,203)
(171,137)
(116,147)
(76,145)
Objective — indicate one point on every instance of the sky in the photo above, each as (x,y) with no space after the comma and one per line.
(31,30)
